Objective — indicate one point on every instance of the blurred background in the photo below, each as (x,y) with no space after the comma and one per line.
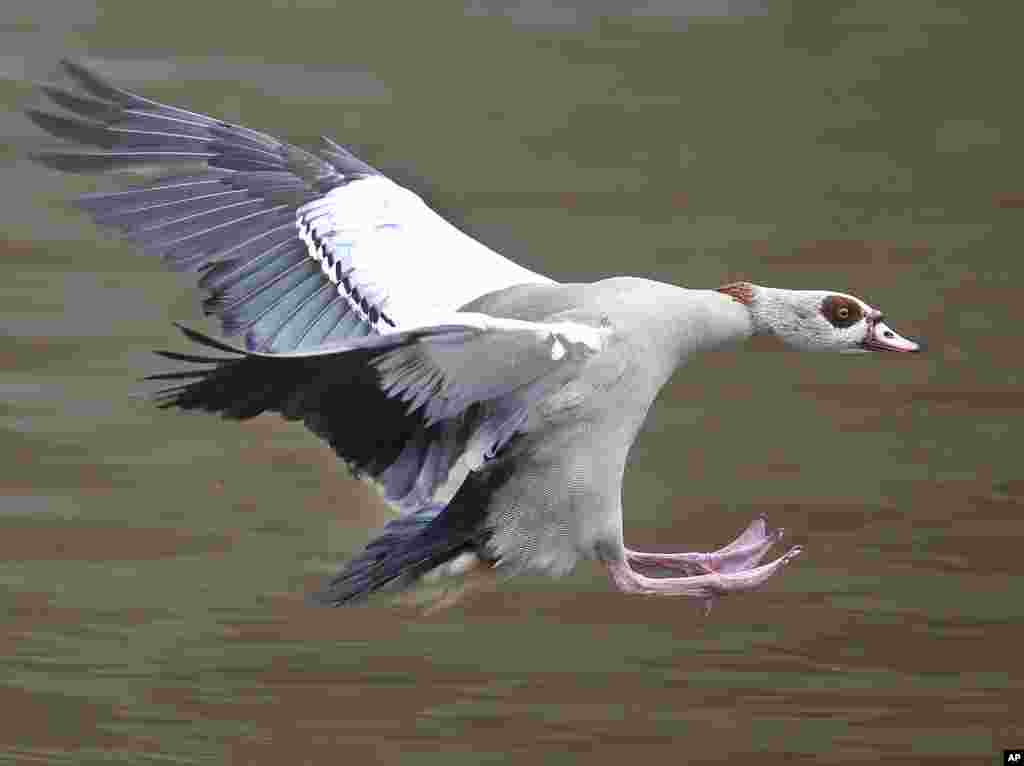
(153,565)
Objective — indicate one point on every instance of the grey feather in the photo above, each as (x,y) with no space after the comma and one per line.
(264,332)
(292,327)
(256,256)
(143,216)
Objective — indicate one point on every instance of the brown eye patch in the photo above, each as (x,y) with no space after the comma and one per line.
(841,312)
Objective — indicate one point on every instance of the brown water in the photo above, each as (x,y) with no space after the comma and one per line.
(154,565)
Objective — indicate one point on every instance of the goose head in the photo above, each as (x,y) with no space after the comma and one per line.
(818,320)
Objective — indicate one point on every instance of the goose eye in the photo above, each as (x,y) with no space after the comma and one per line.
(841,312)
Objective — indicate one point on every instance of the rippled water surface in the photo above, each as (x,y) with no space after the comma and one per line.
(153,565)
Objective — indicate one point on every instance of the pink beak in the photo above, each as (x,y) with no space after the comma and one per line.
(882,338)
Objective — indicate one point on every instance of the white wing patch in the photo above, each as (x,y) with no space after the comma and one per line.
(557,349)
(582,340)
(396,260)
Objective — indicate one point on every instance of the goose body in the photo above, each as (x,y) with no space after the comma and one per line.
(494,407)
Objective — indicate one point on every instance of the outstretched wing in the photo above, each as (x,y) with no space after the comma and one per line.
(405,406)
(296,249)
(443,369)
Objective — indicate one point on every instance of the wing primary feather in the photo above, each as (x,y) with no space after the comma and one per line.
(192,358)
(184,375)
(349,327)
(313,299)
(205,340)
(263,331)
(339,306)
(161,243)
(110,137)
(286,260)
(346,161)
(191,218)
(235,250)
(226,272)
(93,84)
(180,185)
(222,275)
(244,315)
(91,162)
(86,106)
(109,205)
(200,254)
(138,216)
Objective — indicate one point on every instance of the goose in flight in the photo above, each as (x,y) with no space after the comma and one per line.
(494,407)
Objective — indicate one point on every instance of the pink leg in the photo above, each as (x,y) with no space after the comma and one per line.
(744,552)
(707,586)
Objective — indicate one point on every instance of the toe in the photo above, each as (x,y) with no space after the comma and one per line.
(792,553)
